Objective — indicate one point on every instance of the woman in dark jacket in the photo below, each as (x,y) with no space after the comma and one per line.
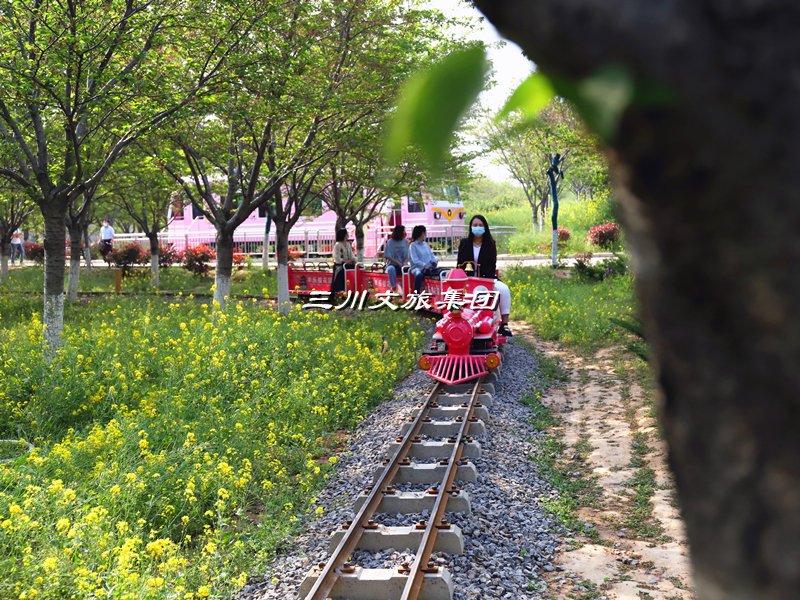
(478,253)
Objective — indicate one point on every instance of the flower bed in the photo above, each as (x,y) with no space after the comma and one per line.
(176,445)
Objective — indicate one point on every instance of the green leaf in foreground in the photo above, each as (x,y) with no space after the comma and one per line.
(601,98)
(431,104)
(530,97)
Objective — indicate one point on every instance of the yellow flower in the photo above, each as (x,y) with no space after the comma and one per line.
(62,525)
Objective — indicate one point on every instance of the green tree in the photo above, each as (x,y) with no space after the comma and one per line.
(357,187)
(694,144)
(526,151)
(237,149)
(141,187)
(82,81)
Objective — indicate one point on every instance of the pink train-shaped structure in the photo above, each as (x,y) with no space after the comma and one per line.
(314,236)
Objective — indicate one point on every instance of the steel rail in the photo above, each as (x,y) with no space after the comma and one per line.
(423,554)
(330,573)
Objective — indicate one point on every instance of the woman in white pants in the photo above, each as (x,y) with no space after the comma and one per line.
(479,251)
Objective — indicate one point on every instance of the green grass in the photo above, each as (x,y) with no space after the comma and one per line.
(574,486)
(177,446)
(569,310)
(174,279)
(640,518)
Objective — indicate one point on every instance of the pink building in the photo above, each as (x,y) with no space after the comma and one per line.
(442,214)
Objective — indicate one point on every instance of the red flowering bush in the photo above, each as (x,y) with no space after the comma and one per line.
(168,256)
(196,259)
(125,257)
(605,235)
(34,252)
(564,234)
(239,258)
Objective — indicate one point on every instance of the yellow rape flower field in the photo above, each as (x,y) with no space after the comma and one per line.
(175,445)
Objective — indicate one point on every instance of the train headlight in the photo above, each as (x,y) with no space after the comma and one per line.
(424,362)
(492,361)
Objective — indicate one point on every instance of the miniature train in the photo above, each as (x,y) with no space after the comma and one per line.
(466,344)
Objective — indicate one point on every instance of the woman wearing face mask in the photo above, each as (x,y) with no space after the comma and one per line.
(478,252)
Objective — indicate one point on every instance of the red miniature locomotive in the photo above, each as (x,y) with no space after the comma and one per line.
(466,344)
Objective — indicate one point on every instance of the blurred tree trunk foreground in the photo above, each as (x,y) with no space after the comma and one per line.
(709,190)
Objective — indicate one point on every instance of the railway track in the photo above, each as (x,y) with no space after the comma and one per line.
(433,450)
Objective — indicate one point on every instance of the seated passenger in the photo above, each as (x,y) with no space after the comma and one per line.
(342,255)
(423,262)
(479,251)
(396,254)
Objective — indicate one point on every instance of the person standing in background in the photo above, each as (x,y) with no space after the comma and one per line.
(106,239)
(17,248)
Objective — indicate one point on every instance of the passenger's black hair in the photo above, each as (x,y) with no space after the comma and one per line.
(341,234)
(487,235)
(398,232)
(417,231)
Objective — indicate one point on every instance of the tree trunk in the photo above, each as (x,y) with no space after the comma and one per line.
(535,218)
(265,254)
(282,251)
(5,252)
(87,247)
(75,235)
(222,278)
(716,270)
(360,241)
(154,254)
(55,239)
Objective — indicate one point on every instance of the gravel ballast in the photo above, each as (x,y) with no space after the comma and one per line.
(509,538)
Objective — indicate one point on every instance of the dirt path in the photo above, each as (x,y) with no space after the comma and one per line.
(606,418)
